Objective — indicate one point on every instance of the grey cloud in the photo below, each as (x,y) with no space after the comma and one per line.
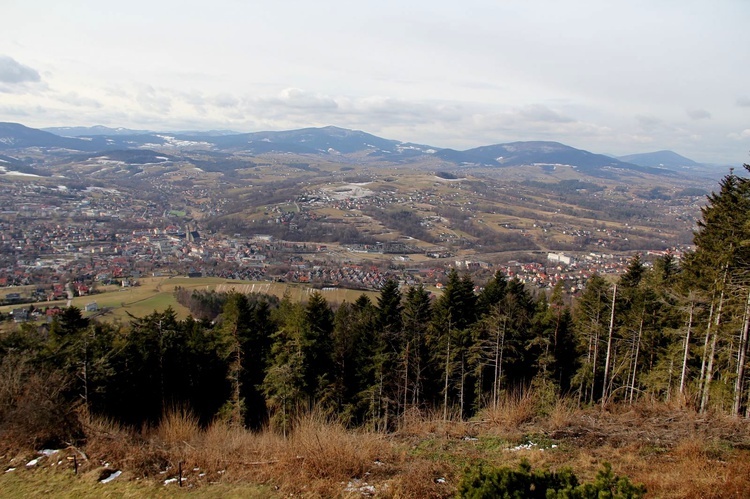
(302,107)
(698,114)
(225,100)
(14,111)
(743,101)
(648,122)
(78,100)
(151,100)
(14,73)
(539,112)
(397,110)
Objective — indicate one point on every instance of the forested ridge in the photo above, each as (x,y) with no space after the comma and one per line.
(676,329)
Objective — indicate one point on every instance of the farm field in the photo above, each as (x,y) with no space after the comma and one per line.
(157,294)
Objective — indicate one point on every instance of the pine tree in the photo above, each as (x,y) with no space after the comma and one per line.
(590,324)
(415,318)
(719,268)
(317,347)
(284,384)
(354,325)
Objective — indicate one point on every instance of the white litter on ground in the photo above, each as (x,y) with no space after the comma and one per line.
(111,477)
(363,488)
(530,446)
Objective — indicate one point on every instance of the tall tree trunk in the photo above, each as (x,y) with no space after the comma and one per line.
(637,349)
(741,353)
(593,367)
(609,347)
(712,354)
(683,376)
(499,347)
(704,360)
(461,391)
(406,377)
(669,381)
(447,368)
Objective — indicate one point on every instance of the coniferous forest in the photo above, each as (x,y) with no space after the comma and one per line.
(678,328)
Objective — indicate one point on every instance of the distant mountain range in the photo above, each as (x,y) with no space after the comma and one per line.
(660,159)
(538,152)
(331,141)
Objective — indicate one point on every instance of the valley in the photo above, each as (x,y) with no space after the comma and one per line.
(348,219)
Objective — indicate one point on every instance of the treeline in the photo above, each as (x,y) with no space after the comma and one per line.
(676,329)
(301,230)
(406,222)
(485,237)
(208,304)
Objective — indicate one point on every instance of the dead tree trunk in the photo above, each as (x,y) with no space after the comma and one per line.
(447,370)
(637,349)
(704,360)
(741,354)
(609,347)
(710,365)
(683,376)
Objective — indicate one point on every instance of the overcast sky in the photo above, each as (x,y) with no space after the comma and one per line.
(610,77)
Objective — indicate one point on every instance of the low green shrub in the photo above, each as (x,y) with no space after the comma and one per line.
(506,483)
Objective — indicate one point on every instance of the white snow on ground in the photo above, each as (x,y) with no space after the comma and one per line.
(18,174)
(48,452)
(113,191)
(530,446)
(9,470)
(33,462)
(174,142)
(363,488)
(111,477)
(347,191)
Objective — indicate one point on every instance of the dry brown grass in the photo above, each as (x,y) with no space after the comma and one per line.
(325,449)
(673,450)
(563,415)
(419,423)
(423,478)
(512,411)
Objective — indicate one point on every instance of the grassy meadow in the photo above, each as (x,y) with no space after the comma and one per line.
(157,294)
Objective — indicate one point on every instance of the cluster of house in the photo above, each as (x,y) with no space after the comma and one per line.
(101,237)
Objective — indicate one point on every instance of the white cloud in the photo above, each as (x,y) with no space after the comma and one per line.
(442,73)
(743,135)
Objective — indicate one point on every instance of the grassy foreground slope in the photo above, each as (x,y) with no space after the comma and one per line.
(675,452)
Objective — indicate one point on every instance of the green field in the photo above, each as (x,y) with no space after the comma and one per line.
(157,294)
